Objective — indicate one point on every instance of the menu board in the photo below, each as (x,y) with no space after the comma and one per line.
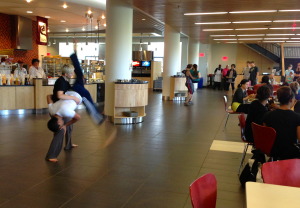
(42,38)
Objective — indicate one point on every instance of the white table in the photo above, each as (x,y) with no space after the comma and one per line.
(261,195)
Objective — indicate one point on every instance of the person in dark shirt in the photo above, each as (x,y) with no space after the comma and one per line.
(266,81)
(257,110)
(286,124)
(253,73)
(240,96)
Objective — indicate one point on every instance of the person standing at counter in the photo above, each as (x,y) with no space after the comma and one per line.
(297,72)
(20,71)
(230,78)
(254,72)
(35,71)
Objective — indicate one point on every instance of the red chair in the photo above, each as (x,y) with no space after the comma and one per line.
(264,138)
(203,192)
(227,110)
(250,92)
(242,124)
(284,172)
(255,87)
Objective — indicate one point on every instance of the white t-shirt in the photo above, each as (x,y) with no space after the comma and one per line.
(36,73)
(65,108)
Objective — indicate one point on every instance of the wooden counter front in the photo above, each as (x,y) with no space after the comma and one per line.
(177,84)
(130,97)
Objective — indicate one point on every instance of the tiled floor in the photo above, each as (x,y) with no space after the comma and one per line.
(131,166)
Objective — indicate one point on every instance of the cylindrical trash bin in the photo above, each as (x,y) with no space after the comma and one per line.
(200,83)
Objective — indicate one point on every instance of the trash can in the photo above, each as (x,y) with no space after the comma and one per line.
(200,83)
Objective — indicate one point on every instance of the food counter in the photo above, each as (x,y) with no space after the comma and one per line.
(178,89)
(130,102)
(16,97)
(240,77)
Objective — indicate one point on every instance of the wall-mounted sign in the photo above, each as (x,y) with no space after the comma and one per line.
(42,37)
(201,54)
(224,58)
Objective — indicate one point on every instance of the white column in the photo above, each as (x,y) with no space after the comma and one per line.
(193,56)
(184,52)
(171,58)
(118,48)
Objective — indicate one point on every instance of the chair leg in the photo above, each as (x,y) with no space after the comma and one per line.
(226,120)
(243,157)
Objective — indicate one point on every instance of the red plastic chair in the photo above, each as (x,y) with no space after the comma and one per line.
(284,172)
(255,87)
(250,92)
(227,110)
(264,138)
(242,124)
(203,192)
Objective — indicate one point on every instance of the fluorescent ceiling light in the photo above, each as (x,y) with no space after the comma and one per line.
(241,22)
(263,28)
(278,34)
(290,10)
(211,23)
(232,42)
(29,12)
(222,35)
(155,34)
(207,30)
(283,28)
(273,41)
(286,21)
(257,11)
(295,38)
(250,39)
(294,41)
(276,38)
(47,17)
(62,20)
(253,35)
(205,13)
(226,39)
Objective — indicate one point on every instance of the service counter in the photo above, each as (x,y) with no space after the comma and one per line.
(15,97)
(240,77)
(178,89)
(130,102)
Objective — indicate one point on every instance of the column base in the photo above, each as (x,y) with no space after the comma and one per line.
(167,98)
(125,121)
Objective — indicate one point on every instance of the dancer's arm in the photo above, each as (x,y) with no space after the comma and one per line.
(62,96)
(73,120)
(49,99)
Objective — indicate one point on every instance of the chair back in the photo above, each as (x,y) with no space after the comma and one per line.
(283,172)
(250,92)
(203,192)
(264,138)
(225,102)
(242,124)
(255,87)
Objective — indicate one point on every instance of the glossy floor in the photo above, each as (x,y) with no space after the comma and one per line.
(132,166)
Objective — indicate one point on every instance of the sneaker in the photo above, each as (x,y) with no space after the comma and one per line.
(190,103)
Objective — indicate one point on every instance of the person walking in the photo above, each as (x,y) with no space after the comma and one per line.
(230,79)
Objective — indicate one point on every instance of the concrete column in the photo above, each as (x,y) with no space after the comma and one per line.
(184,52)
(171,58)
(193,52)
(118,48)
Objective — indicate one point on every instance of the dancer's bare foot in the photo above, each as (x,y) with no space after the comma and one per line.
(74,145)
(54,160)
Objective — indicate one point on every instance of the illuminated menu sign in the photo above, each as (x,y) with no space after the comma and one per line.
(42,38)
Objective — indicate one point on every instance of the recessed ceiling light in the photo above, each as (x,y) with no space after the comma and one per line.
(89,12)
(83,29)
(250,39)
(263,28)
(226,39)
(104,24)
(222,35)
(211,23)
(65,6)
(47,17)
(205,13)
(253,35)
(286,21)
(284,28)
(103,16)
(96,27)
(207,30)
(291,10)
(294,41)
(242,22)
(276,38)
(295,38)
(62,20)
(143,19)
(257,11)
(278,34)
(67,30)
(28,1)
(29,12)
(273,41)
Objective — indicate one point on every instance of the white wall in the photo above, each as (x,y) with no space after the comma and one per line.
(220,50)
(205,62)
